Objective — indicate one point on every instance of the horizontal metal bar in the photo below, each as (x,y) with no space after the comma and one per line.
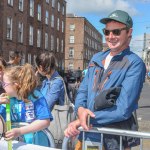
(120,132)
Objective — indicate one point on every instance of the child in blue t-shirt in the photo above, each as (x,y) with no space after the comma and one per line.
(20,82)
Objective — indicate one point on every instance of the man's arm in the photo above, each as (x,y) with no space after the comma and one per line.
(127,101)
(81,103)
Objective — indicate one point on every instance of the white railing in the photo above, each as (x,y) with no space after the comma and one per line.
(119,132)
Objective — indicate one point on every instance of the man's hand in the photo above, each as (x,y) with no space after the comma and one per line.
(12,134)
(72,129)
(83,116)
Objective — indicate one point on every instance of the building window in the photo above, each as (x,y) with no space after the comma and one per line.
(72,27)
(22,59)
(52,42)
(58,24)
(39,12)
(31,35)
(10,2)
(52,20)
(71,52)
(62,65)
(47,1)
(46,40)
(38,38)
(34,58)
(71,67)
(58,6)
(46,17)
(62,46)
(53,3)
(9,28)
(57,45)
(21,5)
(29,58)
(31,8)
(63,9)
(62,26)
(20,32)
(71,39)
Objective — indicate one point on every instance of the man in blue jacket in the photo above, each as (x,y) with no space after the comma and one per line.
(117,76)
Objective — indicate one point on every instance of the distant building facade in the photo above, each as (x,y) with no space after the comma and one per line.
(31,27)
(82,41)
(146,51)
(105,46)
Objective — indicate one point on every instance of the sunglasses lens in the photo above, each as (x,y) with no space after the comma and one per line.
(106,32)
(116,32)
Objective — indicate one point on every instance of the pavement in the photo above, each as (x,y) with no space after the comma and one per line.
(144,126)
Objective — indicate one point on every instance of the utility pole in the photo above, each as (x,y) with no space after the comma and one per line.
(144,44)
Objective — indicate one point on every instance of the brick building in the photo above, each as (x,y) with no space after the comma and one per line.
(82,41)
(33,26)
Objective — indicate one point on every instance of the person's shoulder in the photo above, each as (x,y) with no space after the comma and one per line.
(36,94)
(100,54)
(57,80)
(134,57)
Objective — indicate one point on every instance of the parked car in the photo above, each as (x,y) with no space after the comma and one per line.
(73,75)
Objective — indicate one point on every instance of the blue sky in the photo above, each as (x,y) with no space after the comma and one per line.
(94,10)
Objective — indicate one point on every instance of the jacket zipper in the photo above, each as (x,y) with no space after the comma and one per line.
(101,85)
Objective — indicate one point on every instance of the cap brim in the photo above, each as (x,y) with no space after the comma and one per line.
(105,20)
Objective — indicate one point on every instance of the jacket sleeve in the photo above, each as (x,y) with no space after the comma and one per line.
(54,93)
(127,101)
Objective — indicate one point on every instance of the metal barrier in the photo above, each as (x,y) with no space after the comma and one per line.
(45,131)
(119,132)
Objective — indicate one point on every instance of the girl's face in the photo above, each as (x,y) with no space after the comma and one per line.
(40,70)
(9,87)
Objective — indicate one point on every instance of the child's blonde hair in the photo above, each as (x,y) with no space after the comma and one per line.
(25,77)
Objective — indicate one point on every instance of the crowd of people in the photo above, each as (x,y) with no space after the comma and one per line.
(116,71)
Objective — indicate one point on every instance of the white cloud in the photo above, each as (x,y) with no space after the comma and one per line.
(99,6)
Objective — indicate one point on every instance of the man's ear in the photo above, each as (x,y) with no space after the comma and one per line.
(130,32)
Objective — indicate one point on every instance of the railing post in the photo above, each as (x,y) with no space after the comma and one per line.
(101,147)
(120,142)
(83,141)
(141,144)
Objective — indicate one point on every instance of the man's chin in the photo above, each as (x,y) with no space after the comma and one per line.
(114,49)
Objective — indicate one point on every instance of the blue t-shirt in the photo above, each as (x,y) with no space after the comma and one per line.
(36,109)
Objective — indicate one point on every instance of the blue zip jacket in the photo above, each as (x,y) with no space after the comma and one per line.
(126,70)
(53,90)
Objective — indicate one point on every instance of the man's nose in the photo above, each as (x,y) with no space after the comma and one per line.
(111,35)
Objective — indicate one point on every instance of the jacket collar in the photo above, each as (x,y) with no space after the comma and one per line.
(98,59)
(55,74)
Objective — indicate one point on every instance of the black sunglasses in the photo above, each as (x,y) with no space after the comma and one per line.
(115,32)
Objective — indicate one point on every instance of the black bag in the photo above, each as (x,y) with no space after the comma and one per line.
(106,98)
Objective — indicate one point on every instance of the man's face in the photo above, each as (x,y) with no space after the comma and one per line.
(117,43)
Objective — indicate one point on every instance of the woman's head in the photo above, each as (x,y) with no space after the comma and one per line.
(19,81)
(46,63)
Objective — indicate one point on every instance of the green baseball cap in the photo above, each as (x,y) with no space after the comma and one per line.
(119,16)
